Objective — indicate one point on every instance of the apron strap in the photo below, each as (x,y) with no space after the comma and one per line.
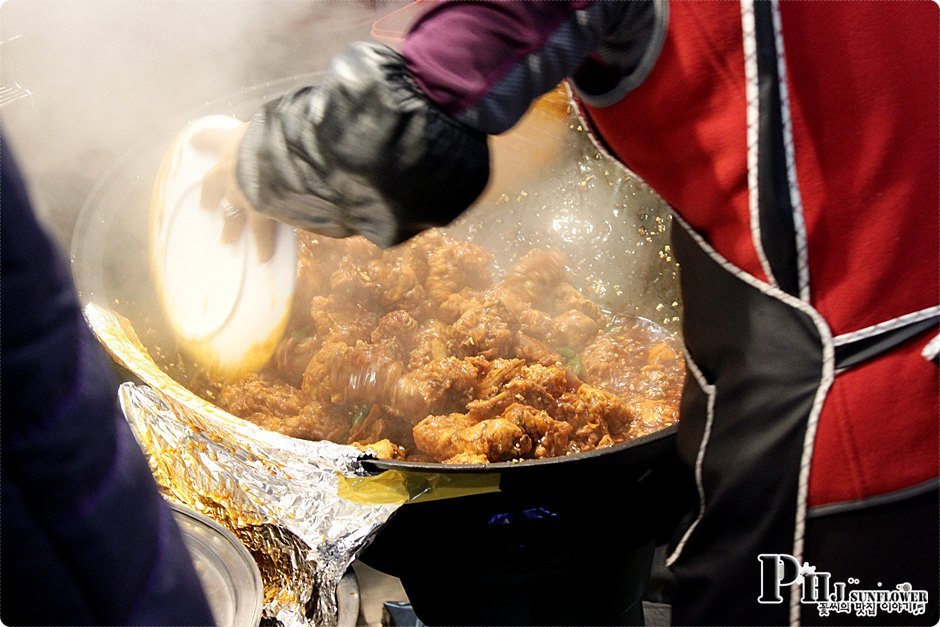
(854,352)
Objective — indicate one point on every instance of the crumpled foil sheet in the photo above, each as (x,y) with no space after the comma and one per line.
(277,494)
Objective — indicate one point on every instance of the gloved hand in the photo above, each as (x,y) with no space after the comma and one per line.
(363,152)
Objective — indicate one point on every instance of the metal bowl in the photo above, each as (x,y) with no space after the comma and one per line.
(227,571)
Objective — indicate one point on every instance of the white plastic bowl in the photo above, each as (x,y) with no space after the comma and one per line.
(227,308)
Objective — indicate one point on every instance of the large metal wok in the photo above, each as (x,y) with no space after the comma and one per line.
(551,188)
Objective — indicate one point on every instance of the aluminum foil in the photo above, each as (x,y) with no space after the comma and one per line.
(277,494)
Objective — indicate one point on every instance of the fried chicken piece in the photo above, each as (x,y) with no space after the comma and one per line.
(335,321)
(533,276)
(498,439)
(341,374)
(322,259)
(588,437)
(377,424)
(593,405)
(566,297)
(435,435)
(432,342)
(444,437)
(455,266)
(609,363)
(629,362)
(398,325)
(317,257)
(437,387)
(254,395)
(467,458)
(397,286)
(282,408)
(353,283)
(482,409)
(574,329)
(496,375)
(457,304)
(651,416)
(416,252)
(535,385)
(484,331)
(383,449)
(555,380)
(293,353)
(313,422)
(538,325)
(536,351)
(318,376)
(664,373)
(550,436)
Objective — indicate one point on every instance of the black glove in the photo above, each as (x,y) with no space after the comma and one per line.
(363,152)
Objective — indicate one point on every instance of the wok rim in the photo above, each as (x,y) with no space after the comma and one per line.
(645,442)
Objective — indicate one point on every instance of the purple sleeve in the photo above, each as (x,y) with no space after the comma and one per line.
(484,62)
(389,144)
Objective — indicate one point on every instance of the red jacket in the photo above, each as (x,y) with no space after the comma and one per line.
(865,136)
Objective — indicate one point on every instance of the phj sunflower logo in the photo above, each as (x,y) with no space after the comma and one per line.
(779,571)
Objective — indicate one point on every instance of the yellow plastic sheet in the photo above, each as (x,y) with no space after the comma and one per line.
(400,487)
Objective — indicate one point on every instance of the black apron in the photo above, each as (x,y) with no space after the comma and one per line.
(761,362)
(759,370)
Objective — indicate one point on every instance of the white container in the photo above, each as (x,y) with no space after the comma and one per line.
(227,308)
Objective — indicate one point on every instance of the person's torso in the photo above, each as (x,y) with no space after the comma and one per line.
(858,242)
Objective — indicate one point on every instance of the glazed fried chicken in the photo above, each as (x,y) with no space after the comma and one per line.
(545,404)
(437,387)
(484,330)
(451,438)
(455,266)
(420,352)
(592,405)
(283,408)
(253,395)
(549,436)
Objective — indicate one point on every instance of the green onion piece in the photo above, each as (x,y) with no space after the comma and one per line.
(574,365)
(360,414)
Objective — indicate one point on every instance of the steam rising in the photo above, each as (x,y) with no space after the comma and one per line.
(103,73)
(612,226)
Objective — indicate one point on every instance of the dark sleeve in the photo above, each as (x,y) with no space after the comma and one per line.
(484,62)
(87,539)
(390,144)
